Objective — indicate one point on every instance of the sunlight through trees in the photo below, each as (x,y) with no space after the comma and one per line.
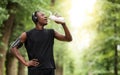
(95,28)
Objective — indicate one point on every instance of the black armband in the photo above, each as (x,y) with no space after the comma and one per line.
(17,43)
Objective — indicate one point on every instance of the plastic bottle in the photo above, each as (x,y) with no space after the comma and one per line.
(57,18)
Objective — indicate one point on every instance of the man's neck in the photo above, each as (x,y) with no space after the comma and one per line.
(39,27)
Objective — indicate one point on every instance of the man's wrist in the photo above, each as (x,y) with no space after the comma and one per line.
(26,63)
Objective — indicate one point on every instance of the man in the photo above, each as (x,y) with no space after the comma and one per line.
(39,45)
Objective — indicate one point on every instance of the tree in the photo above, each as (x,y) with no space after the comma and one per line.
(102,52)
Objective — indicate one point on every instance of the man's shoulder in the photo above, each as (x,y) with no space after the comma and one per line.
(50,29)
(30,30)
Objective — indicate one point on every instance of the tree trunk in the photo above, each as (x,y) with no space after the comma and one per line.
(11,64)
(116,62)
(21,69)
(2,59)
(116,52)
(6,32)
(59,70)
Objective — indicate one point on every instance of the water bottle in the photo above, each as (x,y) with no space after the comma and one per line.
(57,18)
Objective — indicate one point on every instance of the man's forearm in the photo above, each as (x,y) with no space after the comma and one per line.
(18,56)
(67,33)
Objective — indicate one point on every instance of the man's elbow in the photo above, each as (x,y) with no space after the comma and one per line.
(12,49)
(69,40)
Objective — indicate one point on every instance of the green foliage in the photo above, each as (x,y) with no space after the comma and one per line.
(3,15)
(99,58)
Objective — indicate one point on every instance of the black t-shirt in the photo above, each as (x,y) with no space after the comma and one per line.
(39,45)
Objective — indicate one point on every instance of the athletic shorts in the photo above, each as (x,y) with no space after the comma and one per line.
(37,71)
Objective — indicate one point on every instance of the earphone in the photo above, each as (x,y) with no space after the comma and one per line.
(34,17)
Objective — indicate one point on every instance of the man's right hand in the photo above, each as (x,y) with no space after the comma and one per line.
(33,62)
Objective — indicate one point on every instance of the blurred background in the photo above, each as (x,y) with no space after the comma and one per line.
(94,25)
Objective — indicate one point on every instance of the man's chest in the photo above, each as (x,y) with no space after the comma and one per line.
(40,36)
